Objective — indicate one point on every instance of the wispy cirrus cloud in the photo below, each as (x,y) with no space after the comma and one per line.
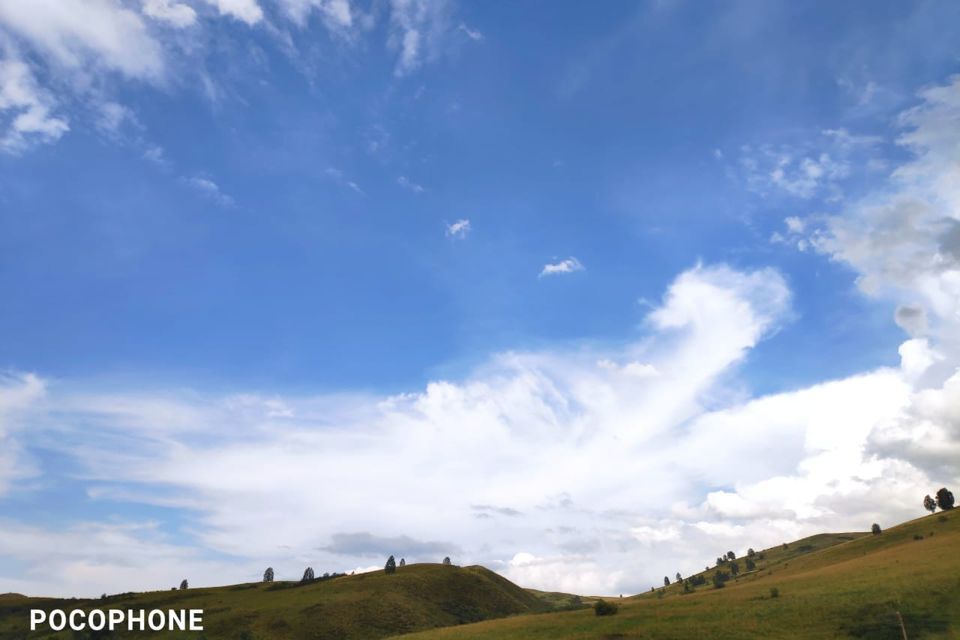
(410,185)
(87,49)
(340,178)
(210,189)
(29,111)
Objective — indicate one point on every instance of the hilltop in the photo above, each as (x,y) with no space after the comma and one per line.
(365,606)
(854,585)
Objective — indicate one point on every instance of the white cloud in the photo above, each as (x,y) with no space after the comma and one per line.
(904,240)
(811,169)
(337,15)
(247,11)
(17,393)
(171,12)
(408,184)
(156,154)
(543,440)
(26,109)
(473,34)
(790,171)
(340,178)
(210,189)
(80,34)
(459,229)
(417,31)
(562,452)
(81,50)
(569,265)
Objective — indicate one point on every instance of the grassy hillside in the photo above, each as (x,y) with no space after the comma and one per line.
(370,605)
(830,586)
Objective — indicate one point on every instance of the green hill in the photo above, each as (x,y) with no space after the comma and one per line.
(828,586)
(369,605)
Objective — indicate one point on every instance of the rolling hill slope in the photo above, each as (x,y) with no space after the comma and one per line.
(365,606)
(831,586)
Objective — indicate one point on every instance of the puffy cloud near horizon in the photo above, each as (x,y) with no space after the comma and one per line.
(547,466)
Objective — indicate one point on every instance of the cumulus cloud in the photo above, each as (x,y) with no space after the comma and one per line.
(901,239)
(569,265)
(547,466)
(539,453)
(459,229)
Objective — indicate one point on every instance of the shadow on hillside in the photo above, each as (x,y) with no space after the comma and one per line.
(881,622)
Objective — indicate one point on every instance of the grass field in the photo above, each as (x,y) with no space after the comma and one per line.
(830,586)
(845,585)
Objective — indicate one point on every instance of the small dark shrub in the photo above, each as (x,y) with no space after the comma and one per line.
(875,529)
(774,592)
(604,608)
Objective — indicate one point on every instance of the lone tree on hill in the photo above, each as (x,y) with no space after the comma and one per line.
(184,586)
(446,561)
(731,555)
(751,552)
(944,499)
(875,529)
(734,569)
(751,565)
(929,504)
(720,561)
(308,575)
(268,575)
(718,579)
(666,581)
(679,579)
(403,563)
(391,566)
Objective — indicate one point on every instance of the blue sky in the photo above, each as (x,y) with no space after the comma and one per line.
(232,223)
